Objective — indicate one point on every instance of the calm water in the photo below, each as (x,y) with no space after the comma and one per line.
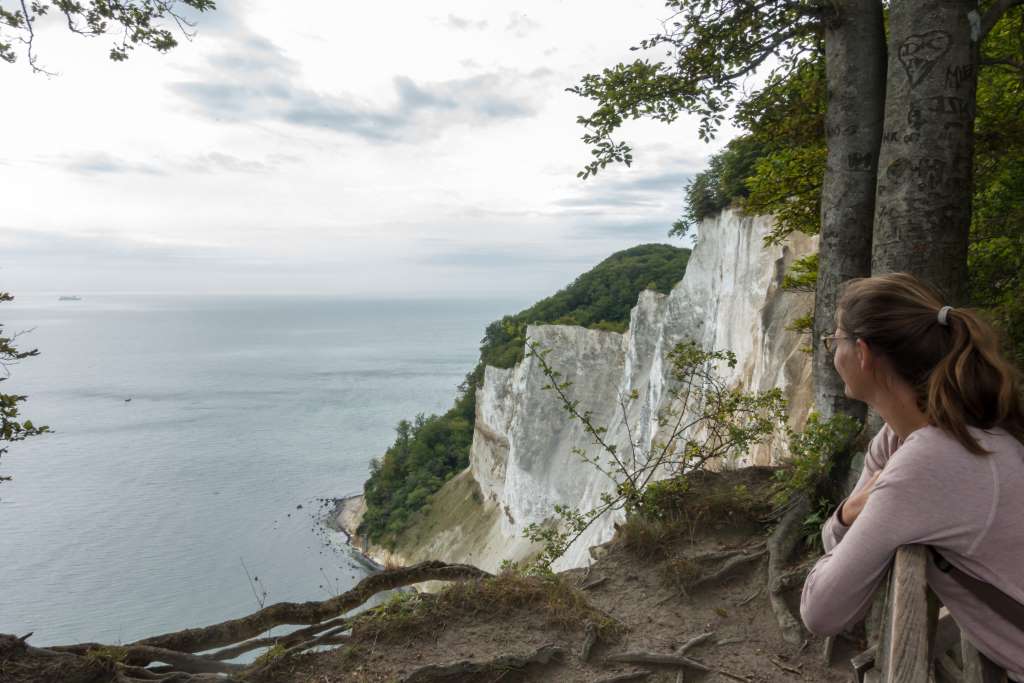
(134,518)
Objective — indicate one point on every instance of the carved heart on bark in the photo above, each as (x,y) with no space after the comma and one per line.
(918,53)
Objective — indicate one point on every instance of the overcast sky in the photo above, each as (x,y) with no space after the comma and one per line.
(361,149)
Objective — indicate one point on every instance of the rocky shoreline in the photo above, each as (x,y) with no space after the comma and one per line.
(345,516)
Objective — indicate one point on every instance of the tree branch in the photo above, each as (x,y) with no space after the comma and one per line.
(769,50)
(995,13)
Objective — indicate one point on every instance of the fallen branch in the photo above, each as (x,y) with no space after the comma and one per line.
(593,584)
(434,672)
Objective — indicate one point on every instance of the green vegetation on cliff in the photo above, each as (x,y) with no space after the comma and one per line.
(431,449)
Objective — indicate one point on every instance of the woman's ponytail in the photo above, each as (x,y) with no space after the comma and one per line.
(973,384)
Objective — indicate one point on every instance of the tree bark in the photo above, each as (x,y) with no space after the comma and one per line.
(855,73)
(925,178)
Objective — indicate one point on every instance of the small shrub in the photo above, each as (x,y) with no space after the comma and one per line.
(680,573)
(707,422)
(802,325)
(812,455)
(272,654)
(107,653)
(802,275)
(647,538)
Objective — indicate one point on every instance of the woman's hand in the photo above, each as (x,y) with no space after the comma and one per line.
(855,503)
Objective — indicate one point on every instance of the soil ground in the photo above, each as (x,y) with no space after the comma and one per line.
(639,584)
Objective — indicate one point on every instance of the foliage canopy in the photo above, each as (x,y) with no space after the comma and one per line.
(777,165)
(139,22)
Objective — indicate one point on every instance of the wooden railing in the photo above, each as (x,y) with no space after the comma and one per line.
(916,641)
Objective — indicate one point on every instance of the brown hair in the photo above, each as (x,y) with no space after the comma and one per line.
(957,371)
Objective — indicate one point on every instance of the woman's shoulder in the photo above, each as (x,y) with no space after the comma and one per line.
(936,446)
(882,447)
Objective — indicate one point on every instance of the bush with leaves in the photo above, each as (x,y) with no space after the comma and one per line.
(12,427)
(812,455)
(707,421)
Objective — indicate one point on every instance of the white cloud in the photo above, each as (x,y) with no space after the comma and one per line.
(327,147)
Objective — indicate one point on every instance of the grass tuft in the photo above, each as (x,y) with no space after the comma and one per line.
(410,614)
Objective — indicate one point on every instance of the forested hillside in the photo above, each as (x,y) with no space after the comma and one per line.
(429,450)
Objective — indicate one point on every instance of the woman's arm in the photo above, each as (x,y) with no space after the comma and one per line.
(880,449)
(906,506)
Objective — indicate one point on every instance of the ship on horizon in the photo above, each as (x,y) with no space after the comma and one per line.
(69,298)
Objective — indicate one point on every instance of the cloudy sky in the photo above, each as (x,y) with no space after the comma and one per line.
(370,149)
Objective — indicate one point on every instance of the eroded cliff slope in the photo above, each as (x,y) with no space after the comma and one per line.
(522,462)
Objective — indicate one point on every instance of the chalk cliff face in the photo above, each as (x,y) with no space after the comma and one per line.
(522,462)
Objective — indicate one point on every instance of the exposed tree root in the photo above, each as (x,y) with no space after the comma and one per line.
(435,672)
(795,577)
(589,640)
(750,597)
(282,613)
(694,642)
(668,660)
(781,544)
(621,678)
(737,559)
(286,640)
(718,555)
(141,655)
(234,637)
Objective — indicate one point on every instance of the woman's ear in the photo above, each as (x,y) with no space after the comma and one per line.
(865,359)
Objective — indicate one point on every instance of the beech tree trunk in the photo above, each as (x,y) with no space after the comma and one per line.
(923,200)
(855,74)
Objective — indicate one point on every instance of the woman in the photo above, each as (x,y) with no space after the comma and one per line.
(946,470)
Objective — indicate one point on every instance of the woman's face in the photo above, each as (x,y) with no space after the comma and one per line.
(849,363)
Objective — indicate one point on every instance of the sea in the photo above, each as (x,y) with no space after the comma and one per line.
(194,442)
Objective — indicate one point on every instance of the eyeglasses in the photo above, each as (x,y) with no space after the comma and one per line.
(829,340)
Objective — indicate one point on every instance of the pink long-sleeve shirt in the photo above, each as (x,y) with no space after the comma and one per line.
(932,491)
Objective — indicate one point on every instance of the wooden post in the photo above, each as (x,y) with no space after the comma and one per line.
(908,633)
(909,637)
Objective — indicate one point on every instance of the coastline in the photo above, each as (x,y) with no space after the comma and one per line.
(345,516)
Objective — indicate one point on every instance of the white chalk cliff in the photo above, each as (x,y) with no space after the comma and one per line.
(522,462)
